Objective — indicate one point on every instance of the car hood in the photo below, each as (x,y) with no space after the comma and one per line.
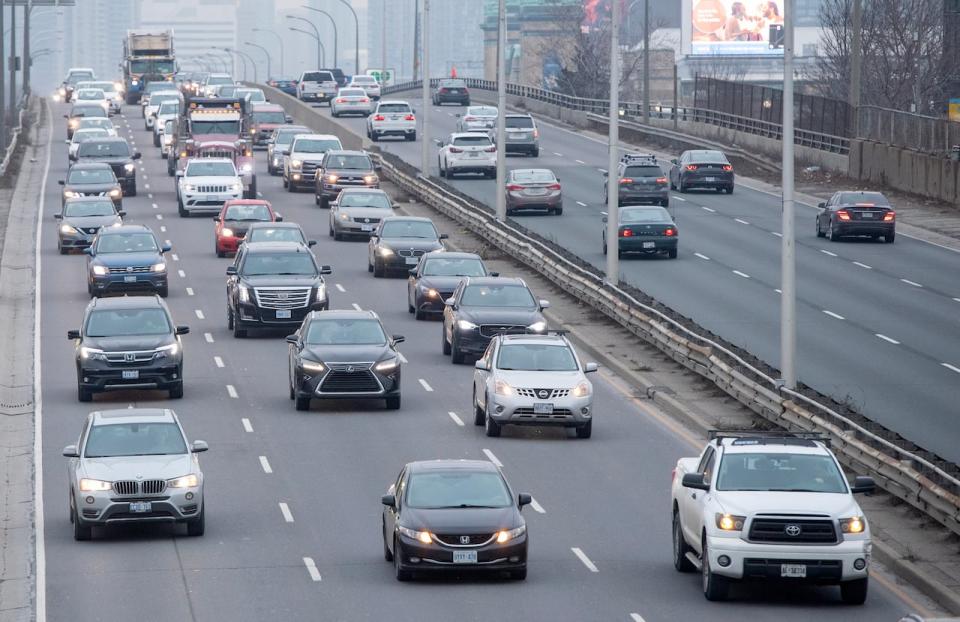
(285,280)
(457,521)
(118,260)
(91,221)
(349,172)
(211,181)
(306,156)
(367,212)
(413,244)
(345,353)
(239,227)
(134,467)
(440,283)
(128,343)
(499,315)
(91,187)
(539,379)
(106,159)
(746,503)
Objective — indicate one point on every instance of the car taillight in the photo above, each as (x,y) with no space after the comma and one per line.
(890,215)
(670,232)
(364,100)
(626,233)
(514,187)
(456,150)
(340,100)
(626,180)
(553,187)
(843,215)
(409,117)
(379,117)
(661,180)
(728,167)
(691,167)
(443,90)
(469,118)
(536,133)
(491,149)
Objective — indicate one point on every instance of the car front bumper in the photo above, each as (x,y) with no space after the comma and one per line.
(398,262)
(196,201)
(250,315)
(351,227)
(567,412)
(229,244)
(106,508)
(120,282)
(97,376)
(647,245)
(416,556)
(824,563)
(332,191)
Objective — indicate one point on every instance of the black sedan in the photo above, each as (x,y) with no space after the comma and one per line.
(645,230)
(435,278)
(398,243)
(857,214)
(344,355)
(454,516)
(94,179)
(702,168)
(81,219)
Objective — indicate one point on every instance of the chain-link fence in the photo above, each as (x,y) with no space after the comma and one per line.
(908,130)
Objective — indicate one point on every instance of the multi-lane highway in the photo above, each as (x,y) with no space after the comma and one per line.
(877,324)
(293,512)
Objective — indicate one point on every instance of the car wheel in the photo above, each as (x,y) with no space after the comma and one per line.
(412,137)
(479,416)
(672,185)
(378,269)
(369,265)
(604,247)
(492,428)
(535,153)
(290,187)
(374,136)
(81,532)
(393,402)
(831,234)
(682,188)
(164,291)
(156,139)
(196,526)
(680,547)
(293,394)
(399,571)
(219,252)
(387,555)
(558,211)
(457,355)
(84,395)
(283,181)
(176,392)
(419,315)
(715,587)
(181,211)
(133,191)
(820,233)
(324,202)
(586,430)
(672,253)
(730,189)
(443,338)
(854,592)
(60,248)
(302,403)
(890,237)
(440,170)
(238,333)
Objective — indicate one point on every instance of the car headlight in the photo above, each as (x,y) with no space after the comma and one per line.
(384,251)
(134,82)
(730,522)
(226,232)
(116,192)
(314,367)
(158,267)
(94,485)
(68,229)
(502,387)
(344,216)
(170,350)
(321,292)
(189,188)
(465,325)
(387,365)
(186,481)
(74,123)
(130,167)
(431,293)
(237,187)
(331,179)
(854,524)
(63,91)
(100,270)
(69,194)
(421,536)
(296,163)
(244,293)
(92,353)
(246,168)
(583,389)
(538,327)
(504,535)
(370,179)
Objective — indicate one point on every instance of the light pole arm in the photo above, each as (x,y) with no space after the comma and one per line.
(336,33)
(321,50)
(283,68)
(356,37)
(265,53)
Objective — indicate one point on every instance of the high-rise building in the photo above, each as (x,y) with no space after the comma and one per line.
(258,14)
(93,34)
(201,28)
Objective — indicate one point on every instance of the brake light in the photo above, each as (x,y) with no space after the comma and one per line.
(661,180)
(491,149)
(626,233)
(340,100)
(443,89)
(409,117)
(670,232)
(691,167)
(553,187)
(843,215)
(364,100)
(514,187)
(536,133)
(469,118)
(626,180)
(889,216)
(728,167)
(456,150)
(865,204)
(379,117)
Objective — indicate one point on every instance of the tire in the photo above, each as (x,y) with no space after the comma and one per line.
(283,181)
(672,186)
(419,315)
(399,571)
(715,587)
(680,547)
(289,186)
(443,338)
(81,532)
(252,193)
(374,136)
(219,252)
(229,319)
(519,575)
(854,592)
(558,211)
(164,291)
(238,333)
(729,189)
(393,402)
(412,137)
(316,200)
(890,238)
(84,395)
(324,202)
(378,270)
(181,211)
(302,403)
(833,237)
(63,251)
(682,188)
(196,526)
(586,430)
(672,253)
(293,394)
(479,416)
(440,170)
(176,392)
(491,427)
(156,139)
(133,191)
(171,166)
(456,355)
(604,248)
(820,234)
(369,265)
(536,154)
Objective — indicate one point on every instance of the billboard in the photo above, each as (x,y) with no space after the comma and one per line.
(735,27)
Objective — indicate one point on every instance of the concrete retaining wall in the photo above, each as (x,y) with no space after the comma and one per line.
(305,114)
(911,171)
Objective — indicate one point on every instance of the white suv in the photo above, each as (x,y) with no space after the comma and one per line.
(532,380)
(770,506)
(368,84)
(302,158)
(392,118)
(205,184)
(467,152)
(168,111)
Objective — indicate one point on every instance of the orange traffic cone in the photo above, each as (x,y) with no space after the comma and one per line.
(453,72)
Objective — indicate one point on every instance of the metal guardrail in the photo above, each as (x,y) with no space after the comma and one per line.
(14,135)
(634,112)
(908,130)
(899,471)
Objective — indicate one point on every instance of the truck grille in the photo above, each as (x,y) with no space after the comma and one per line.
(212,189)
(129,488)
(130,270)
(309,169)
(216,153)
(350,378)
(490,330)
(793,530)
(282,297)
(543,394)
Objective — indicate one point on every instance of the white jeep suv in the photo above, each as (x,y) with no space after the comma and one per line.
(770,506)
(205,184)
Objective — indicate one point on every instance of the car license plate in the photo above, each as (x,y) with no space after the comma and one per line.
(795,571)
(366,227)
(516,136)
(536,191)
(866,214)
(464,557)
(141,507)
(454,91)
(130,279)
(649,244)
(543,409)
(283,314)
(394,117)
(211,197)
(412,261)
(473,154)
(131,374)
(711,179)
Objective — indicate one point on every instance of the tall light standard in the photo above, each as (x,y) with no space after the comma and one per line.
(246,57)
(336,34)
(356,37)
(501,109)
(266,53)
(613,182)
(321,51)
(788,285)
(316,34)
(425,90)
(283,69)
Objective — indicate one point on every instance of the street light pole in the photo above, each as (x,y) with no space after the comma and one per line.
(3,103)
(321,51)
(13,59)
(336,35)
(356,38)
(856,55)
(425,91)
(383,43)
(613,181)
(26,48)
(316,33)
(501,110)
(788,298)
(246,57)
(266,53)
(283,68)
(646,61)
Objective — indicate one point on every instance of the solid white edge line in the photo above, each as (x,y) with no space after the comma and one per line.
(426,386)
(285,510)
(951,367)
(863,265)
(340,288)
(956,299)
(888,339)
(826,252)
(636,617)
(742,221)
(311,568)
(536,506)
(701,256)
(913,283)
(218,361)
(208,337)
(265,465)
(583,558)
(246,425)
(678,198)
(743,274)
(455,418)
(232,391)
(40,551)
(491,457)
(833,315)
(709,209)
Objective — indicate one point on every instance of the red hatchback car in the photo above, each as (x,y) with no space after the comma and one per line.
(235,218)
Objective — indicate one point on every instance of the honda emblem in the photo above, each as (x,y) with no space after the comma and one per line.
(464,539)
(129,357)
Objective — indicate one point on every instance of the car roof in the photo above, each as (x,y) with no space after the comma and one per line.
(344,314)
(303,129)
(785,446)
(126,228)
(110,139)
(518,115)
(494,280)
(452,255)
(209,160)
(275,247)
(246,202)
(266,107)
(87,199)
(88,165)
(409,219)
(393,101)
(465,134)
(319,136)
(127,302)
(363,190)
(535,339)
(273,225)
(346,152)
(452,465)
(133,415)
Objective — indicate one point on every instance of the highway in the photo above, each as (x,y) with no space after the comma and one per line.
(877,324)
(293,512)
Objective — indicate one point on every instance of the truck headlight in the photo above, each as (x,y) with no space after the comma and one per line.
(321,293)
(170,350)
(296,163)
(331,179)
(130,167)
(246,168)
(582,390)
(189,188)
(237,187)
(186,481)
(94,485)
(855,524)
(100,270)
(69,194)
(244,292)
(730,522)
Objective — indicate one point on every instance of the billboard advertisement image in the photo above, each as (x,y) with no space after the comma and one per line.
(735,27)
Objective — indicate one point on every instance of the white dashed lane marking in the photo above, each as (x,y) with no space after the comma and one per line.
(357,307)
(159,216)
(492,458)
(218,361)
(826,252)
(208,337)
(580,162)
(888,339)
(636,617)
(742,221)
(189,291)
(182,274)
(701,256)
(265,465)
(456,419)
(285,510)
(833,315)
(559,155)
(232,391)
(340,288)
(163,229)
(312,568)
(199,313)
(583,558)
(743,274)
(913,283)
(426,386)
(776,233)
(246,425)
(709,209)
(951,367)
(681,199)
(581,204)
(863,265)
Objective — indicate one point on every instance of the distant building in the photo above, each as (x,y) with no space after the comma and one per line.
(93,34)
(200,28)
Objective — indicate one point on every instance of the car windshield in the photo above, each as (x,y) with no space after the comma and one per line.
(516,296)
(79,209)
(364,199)
(653,215)
(278,234)
(269,117)
(113,148)
(126,243)
(708,157)
(642,171)
(352,93)
(316,145)
(536,357)
(158,98)
(780,472)
(519,122)
(227,90)
(345,332)
(257,264)
(252,95)
(473,140)
(433,490)
(215,80)
(408,229)
(88,133)
(211,169)
(248,212)
(127,322)
(87,176)
(134,439)
(871,198)
(482,111)
(394,108)
(285,138)
(88,111)
(214,127)
(534,176)
(79,76)
(169,107)
(104,123)
(446,266)
(91,94)
(351,162)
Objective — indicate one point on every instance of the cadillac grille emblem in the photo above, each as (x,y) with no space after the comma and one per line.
(792,530)
(282,296)
(350,369)
(464,539)
(543,393)
(129,357)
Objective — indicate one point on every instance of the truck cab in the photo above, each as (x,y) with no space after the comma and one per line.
(148,57)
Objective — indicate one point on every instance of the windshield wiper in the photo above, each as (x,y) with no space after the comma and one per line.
(793,490)
(463,506)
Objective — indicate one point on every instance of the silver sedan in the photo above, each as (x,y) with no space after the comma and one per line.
(358,211)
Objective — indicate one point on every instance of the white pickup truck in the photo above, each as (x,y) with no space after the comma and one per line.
(317,86)
(768,506)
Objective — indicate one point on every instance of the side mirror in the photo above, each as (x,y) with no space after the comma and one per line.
(438,142)
(494,274)
(70,451)
(544,304)
(199,447)
(231,271)
(89,251)
(589,368)
(216,219)
(481,365)
(67,142)
(311,242)
(395,205)
(72,157)
(73,334)
(137,155)
(285,152)
(694,480)
(674,161)
(523,499)
(822,205)
(292,339)
(389,501)
(62,182)
(398,339)
(443,236)
(606,174)
(412,271)
(287,119)
(183,330)
(863,483)
(166,248)
(179,173)
(326,270)
(121,213)
(278,218)
(58,216)
(66,116)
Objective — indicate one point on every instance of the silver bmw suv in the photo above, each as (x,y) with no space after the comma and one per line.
(134,465)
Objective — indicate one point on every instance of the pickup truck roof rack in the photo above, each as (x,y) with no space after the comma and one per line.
(771,437)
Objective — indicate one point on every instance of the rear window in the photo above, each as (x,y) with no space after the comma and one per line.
(318,76)
(709,157)
(456,84)
(88,111)
(352,93)
(852,198)
(642,171)
(526,122)
(478,140)
(394,108)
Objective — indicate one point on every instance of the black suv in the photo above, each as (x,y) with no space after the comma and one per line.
(91,179)
(344,355)
(128,343)
(482,307)
(273,285)
(341,169)
(640,180)
(114,151)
